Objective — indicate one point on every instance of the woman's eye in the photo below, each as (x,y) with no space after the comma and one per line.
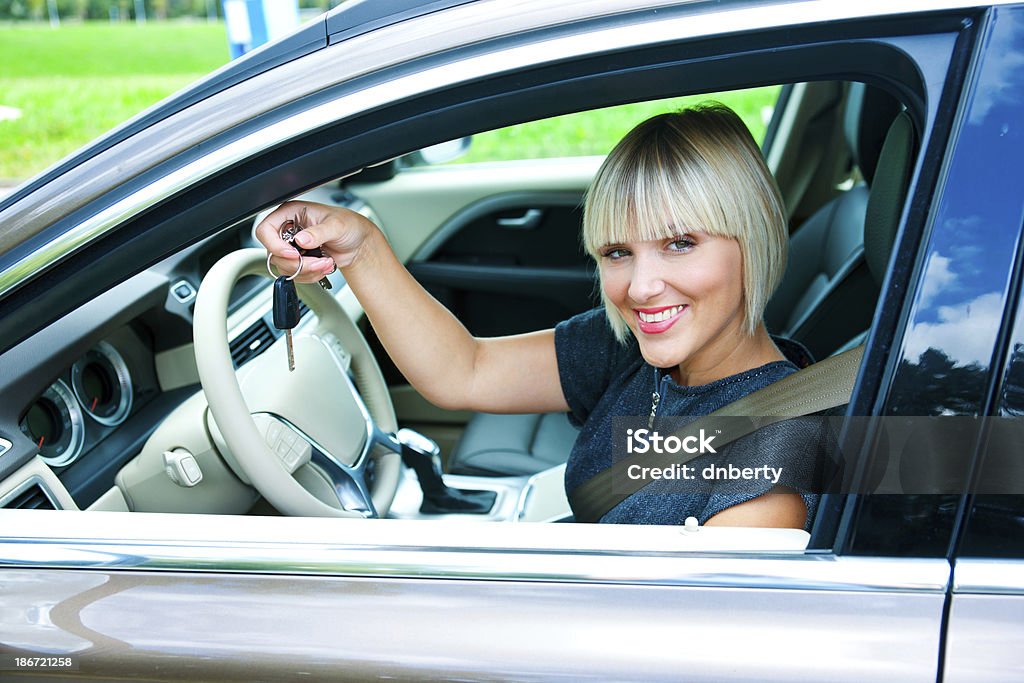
(615,254)
(681,244)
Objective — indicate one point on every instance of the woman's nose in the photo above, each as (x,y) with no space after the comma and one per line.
(647,281)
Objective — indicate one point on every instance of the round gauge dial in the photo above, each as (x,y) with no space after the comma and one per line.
(54,422)
(103,385)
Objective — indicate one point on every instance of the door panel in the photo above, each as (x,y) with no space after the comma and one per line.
(265,628)
(432,601)
(986,622)
(498,300)
(510,264)
(419,206)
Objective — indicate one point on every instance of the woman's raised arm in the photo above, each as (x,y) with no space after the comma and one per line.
(435,352)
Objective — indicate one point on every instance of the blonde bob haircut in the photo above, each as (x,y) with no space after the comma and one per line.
(694,170)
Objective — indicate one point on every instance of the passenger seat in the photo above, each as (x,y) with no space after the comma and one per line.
(827,294)
(503,445)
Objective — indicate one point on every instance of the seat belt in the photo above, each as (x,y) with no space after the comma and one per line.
(826,384)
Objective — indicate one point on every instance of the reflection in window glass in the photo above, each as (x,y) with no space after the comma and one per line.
(596,132)
(996,524)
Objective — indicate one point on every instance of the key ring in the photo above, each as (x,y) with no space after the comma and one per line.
(295,275)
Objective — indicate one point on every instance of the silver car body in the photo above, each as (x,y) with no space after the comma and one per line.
(205,597)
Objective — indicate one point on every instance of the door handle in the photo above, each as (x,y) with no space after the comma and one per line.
(528,221)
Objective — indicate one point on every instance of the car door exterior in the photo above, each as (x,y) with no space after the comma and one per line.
(167,597)
(981,531)
(986,615)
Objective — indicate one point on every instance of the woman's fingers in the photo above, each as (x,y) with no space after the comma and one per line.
(268,232)
(313,269)
(329,231)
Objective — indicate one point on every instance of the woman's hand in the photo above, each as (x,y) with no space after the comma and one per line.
(340,233)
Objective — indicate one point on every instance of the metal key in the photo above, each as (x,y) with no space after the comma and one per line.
(293,226)
(286,313)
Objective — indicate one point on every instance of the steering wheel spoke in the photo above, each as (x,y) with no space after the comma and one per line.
(291,447)
(349,483)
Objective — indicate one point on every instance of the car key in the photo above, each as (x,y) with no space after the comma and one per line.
(293,226)
(286,313)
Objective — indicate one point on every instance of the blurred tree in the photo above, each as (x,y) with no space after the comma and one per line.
(67,8)
(36,9)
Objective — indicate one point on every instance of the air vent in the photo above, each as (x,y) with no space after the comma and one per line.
(251,343)
(32,498)
(303,309)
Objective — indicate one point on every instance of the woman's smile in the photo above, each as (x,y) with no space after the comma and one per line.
(657,320)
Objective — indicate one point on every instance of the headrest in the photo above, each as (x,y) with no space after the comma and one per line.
(888,192)
(869,113)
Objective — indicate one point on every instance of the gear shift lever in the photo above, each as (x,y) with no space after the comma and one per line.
(423,456)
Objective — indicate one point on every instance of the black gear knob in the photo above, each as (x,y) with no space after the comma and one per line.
(424,457)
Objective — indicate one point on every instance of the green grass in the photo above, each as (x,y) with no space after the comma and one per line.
(596,132)
(75,83)
(101,49)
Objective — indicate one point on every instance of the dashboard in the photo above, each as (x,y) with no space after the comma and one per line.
(87,392)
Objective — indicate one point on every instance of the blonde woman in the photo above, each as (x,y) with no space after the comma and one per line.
(686,225)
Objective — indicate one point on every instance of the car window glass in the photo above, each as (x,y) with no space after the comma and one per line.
(996,524)
(595,132)
(507,243)
(504,256)
(945,358)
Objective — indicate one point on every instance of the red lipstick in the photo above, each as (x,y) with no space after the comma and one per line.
(649,326)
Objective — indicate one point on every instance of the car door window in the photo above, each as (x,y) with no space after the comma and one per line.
(955,326)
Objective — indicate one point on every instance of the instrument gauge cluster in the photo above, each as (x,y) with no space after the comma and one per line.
(96,392)
(54,422)
(103,385)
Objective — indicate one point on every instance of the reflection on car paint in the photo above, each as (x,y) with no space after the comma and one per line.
(34,615)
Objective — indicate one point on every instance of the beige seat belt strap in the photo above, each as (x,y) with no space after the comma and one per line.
(819,387)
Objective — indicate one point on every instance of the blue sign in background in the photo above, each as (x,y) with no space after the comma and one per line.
(252,23)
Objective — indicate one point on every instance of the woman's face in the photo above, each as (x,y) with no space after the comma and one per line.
(682,298)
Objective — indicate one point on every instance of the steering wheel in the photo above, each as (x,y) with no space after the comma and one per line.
(333,411)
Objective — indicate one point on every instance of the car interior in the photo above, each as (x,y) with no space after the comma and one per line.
(123,424)
(825,301)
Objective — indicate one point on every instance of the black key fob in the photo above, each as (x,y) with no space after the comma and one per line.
(286,304)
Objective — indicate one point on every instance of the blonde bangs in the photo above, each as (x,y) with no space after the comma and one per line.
(653,190)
